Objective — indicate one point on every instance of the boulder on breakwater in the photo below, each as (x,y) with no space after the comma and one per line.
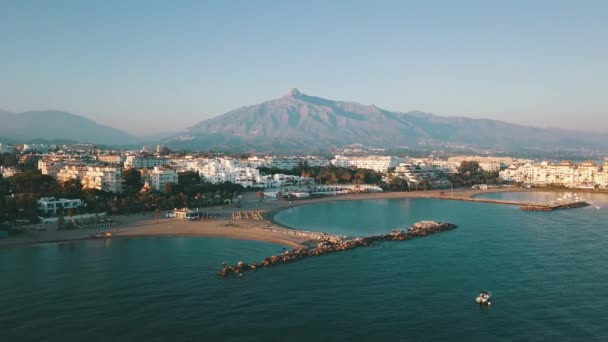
(337,244)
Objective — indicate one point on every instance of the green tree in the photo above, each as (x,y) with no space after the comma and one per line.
(33,182)
(8,159)
(132,180)
(424,185)
(398,184)
(168,188)
(188,178)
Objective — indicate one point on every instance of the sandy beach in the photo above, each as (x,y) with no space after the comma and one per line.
(140,225)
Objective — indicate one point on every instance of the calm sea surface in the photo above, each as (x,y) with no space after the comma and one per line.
(547,272)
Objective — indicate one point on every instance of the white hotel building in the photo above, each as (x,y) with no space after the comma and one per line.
(222,170)
(376,163)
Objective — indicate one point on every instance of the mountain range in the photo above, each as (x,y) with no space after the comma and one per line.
(300,122)
(53,125)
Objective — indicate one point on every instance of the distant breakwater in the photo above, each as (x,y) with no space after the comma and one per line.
(527,206)
(338,244)
(571,205)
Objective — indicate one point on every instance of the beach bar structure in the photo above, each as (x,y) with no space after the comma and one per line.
(187,214)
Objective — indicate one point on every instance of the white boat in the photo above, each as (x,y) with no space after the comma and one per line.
(484,298)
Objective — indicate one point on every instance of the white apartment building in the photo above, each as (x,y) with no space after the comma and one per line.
(376,163)
(50,167)
(50,205)
(158,177)
(229,170)
(111,158)
(107,178)
(286,163)
(281,181)
(140,162)
(586,174)
(490,164)
(414,173)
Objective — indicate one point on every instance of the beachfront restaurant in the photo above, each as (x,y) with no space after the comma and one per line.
(186,214)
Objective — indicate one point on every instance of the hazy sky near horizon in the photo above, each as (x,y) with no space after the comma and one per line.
(152,66)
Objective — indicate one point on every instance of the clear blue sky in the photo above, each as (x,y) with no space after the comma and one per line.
(149,66)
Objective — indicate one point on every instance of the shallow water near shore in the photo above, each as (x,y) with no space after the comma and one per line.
(539,266)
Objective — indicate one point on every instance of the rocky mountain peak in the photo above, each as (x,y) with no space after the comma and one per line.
(294,92)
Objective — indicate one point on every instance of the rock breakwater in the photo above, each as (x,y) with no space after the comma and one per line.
(336,243)
(572,205)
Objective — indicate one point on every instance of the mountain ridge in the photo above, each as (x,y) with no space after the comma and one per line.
(58,125)
(296,119)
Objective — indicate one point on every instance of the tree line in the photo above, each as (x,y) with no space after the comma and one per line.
(470,173)
(330,174)
(19,195)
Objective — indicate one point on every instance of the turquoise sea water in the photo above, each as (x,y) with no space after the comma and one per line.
(546,270)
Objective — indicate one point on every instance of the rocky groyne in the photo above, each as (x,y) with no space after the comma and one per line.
(571,205)
(527,206)
(338,244)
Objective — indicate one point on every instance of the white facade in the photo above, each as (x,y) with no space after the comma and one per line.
(160,176)
(414,173)
(139,162)
(566,173)
(286,163)
(492,164)
(376,163)
(50,167)
(111,158)
(107,179)
(227,170)
(50,205)
(92,177)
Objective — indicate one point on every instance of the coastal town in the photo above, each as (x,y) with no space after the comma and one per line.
(72,186)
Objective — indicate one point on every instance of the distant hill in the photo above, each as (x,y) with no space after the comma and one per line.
(57,125)
(301,122)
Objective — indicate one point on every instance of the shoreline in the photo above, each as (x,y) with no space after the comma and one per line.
(268,230)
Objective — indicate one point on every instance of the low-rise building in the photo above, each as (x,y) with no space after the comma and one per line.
(54,206)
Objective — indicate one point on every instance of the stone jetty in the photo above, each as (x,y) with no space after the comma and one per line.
(528,206)
(571,205)
(338,244)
